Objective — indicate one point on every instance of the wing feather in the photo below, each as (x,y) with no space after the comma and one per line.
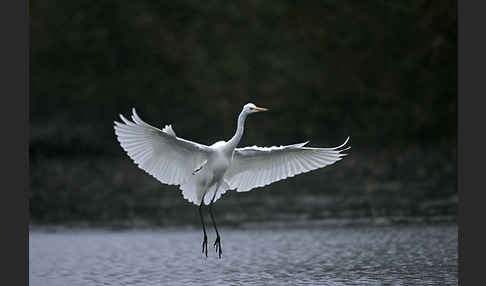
(160,153)
(254,166)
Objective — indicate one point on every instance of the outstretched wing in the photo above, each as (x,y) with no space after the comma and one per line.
(159,152)
(254,167)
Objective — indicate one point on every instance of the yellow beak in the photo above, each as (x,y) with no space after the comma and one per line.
(260,108)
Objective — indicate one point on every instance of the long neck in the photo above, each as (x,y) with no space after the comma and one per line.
(235,140)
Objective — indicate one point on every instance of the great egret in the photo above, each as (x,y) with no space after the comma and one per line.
(204,173)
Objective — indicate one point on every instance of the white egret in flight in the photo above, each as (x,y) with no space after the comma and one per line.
(204,173)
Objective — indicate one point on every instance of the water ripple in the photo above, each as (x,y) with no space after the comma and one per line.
(409,255)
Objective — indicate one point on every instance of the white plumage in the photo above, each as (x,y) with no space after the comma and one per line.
(172,160)
(204,173)
(254,166)
(159,152)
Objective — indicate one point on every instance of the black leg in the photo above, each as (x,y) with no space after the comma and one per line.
(217,243)
(205,240)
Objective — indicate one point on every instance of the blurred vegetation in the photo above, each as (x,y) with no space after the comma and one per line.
(383,72)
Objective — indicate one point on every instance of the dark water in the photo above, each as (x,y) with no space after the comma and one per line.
(396,255)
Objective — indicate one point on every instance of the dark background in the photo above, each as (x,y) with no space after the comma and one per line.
(383,72)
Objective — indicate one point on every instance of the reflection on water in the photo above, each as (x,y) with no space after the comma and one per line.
(398,255)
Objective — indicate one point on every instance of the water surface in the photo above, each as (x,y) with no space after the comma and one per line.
(392,255)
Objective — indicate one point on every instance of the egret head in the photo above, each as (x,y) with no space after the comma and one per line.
(252,108)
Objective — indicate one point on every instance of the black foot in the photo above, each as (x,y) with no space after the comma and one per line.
(205,246)
(217,245)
